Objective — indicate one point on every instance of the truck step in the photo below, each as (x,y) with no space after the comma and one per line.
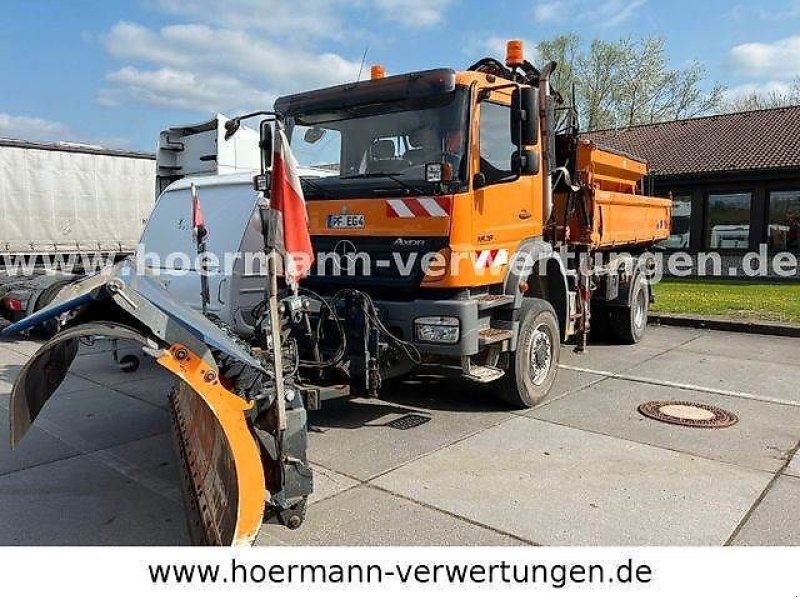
(490,301)
(480,373)
(483,374)
(488,337)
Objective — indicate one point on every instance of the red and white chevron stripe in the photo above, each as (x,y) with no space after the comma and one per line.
(486,259)
(411,208)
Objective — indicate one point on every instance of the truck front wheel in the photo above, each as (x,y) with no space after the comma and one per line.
(533,367)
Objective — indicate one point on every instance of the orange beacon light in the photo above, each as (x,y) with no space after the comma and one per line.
(515,53)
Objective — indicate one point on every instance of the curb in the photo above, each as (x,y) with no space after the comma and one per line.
(718,324)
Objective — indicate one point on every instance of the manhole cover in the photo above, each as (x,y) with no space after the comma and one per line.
(408,422)
(690,414)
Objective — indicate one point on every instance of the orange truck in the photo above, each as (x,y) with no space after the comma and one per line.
(464,215)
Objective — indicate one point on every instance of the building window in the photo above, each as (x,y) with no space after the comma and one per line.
(681,222)
(728,221)
(783,232)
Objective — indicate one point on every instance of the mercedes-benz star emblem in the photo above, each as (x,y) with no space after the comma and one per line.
(345,252)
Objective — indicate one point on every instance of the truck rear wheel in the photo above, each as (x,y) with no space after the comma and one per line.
(628,324)
(533,367)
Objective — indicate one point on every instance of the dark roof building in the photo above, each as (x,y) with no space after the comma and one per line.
(750,141)
(734,178)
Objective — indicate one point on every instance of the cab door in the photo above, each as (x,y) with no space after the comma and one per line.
(507,208)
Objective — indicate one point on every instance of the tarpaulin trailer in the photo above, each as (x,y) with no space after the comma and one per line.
(61,201)
(63,198)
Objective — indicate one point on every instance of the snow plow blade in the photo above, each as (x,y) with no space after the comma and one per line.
(223,478)
(237,468)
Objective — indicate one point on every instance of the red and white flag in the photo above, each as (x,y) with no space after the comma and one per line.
(198,220)
(290,236)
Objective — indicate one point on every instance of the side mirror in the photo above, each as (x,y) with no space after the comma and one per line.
(525,162)
(313,135)
(266,145)
(524,116)
(231,127)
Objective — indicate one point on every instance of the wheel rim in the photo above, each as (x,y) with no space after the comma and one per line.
(640,309)
(541,355)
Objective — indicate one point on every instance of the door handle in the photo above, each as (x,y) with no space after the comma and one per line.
(524,215)
(221,290)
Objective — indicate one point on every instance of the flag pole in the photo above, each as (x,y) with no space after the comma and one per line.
(268,229)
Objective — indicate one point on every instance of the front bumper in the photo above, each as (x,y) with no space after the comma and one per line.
(399,317)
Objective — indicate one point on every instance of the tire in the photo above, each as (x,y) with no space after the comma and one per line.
(524,385)
(599,328)
(628,324)
(129,363)
(50,327)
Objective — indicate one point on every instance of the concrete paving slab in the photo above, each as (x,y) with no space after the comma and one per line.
(552,484)
(153,390)
(568,382)
(609,358)
(152,458)
(101,368)
(604,356)
(10,371)
(763,348)
(79,501)
(541,481)
(779,381)
(762,439)
(76,383)
(70,385)
(357,437)
(658,336)
(364,516)
(8,374)
(328,483)
(10,357)
(22,346)
(793,468)
(776,520)
(36,448)
(100,417)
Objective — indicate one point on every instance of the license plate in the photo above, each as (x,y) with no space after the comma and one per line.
(346,221)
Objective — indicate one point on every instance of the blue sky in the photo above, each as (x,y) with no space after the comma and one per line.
(116,73)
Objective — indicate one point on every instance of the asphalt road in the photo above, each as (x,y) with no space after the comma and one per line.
(583,468)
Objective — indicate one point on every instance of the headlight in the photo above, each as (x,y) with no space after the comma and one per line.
(439,330)
(434,173)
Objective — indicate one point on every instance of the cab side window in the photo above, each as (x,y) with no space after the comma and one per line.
(495,141)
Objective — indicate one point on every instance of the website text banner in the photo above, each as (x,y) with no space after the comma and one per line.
(393,572)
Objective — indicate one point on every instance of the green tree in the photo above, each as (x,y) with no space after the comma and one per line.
(759,100)
(627,82)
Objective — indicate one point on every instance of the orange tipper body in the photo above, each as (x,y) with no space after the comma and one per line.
(620,216)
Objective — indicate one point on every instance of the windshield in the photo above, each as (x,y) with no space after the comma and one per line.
(380,149)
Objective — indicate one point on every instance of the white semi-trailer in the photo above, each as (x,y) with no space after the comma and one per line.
(65,209)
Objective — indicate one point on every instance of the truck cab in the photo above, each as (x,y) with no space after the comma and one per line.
(415,164)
